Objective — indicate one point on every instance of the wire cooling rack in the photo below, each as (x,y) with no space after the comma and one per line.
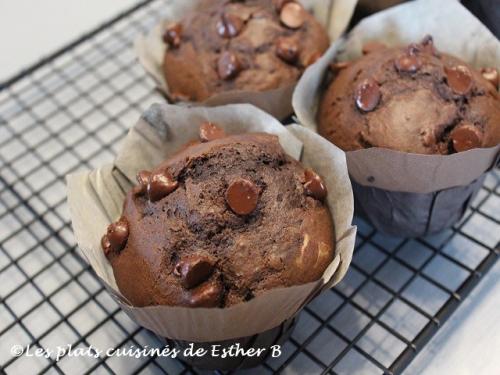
(69,113)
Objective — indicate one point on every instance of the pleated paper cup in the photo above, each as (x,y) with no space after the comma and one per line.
(95,199)
(401,193)
(150,49)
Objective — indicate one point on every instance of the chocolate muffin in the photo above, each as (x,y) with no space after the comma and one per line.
(251,45)
(220,221)
(412,99)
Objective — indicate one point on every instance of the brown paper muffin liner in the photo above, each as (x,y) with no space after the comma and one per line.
(95,199)
(150,49)
(403,193)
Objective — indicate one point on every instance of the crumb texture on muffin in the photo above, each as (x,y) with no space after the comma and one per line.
(412,99)
(252,45)
(219,222)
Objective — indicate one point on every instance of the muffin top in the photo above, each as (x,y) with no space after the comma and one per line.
(219,222)
(251,45)
(412,99)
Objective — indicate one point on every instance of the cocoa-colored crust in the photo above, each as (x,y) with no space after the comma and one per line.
(192,70)
(286,240)
(417,111)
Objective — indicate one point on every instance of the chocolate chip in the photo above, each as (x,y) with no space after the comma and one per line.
(338,66)
(229,25)
(372,46)
(292,15)
(209,131)
(427,44)
(314,185)
(172,35)
(367,95)
(242,196)
(466,136)
(408,63)
(491,75)
(116,236)
(194,270)
(142,178)
(206,295)
(287,50)
(228,65)
(459,79)
(160,185)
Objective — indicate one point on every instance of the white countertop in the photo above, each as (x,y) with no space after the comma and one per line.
(469,343)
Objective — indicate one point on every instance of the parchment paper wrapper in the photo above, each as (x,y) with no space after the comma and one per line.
(95,199)
(150,49)
(402,193)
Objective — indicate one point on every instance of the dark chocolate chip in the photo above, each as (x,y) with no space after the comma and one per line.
(172,35)
(160,185)
(209,131)
(292,15)
(228,65)
(194,270)
(408,63)
(466,136)
(229,25)
(314,185)
(287,49)
(372,46)
(142,178)
(367,95)
(338,66)
(242,196)
(116,236)
(459,79)
(427,44)
(491,75)
(106,245)
(206,295)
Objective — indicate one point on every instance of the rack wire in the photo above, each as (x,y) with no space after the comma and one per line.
(68,113)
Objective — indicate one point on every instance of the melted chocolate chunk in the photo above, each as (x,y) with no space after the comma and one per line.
(206,295)
(427,44)
(229,26)
(194,270)
(491,75)
(314,185)
(142,178)
(465,137)
(242,196)
(408,63)
(116,236)
(209,131)
(459,79)
(367,95)
(287,50)
(172,35)
(292,15)
(160,185)
(228,65)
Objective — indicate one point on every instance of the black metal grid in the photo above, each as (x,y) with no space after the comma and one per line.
(69,112)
